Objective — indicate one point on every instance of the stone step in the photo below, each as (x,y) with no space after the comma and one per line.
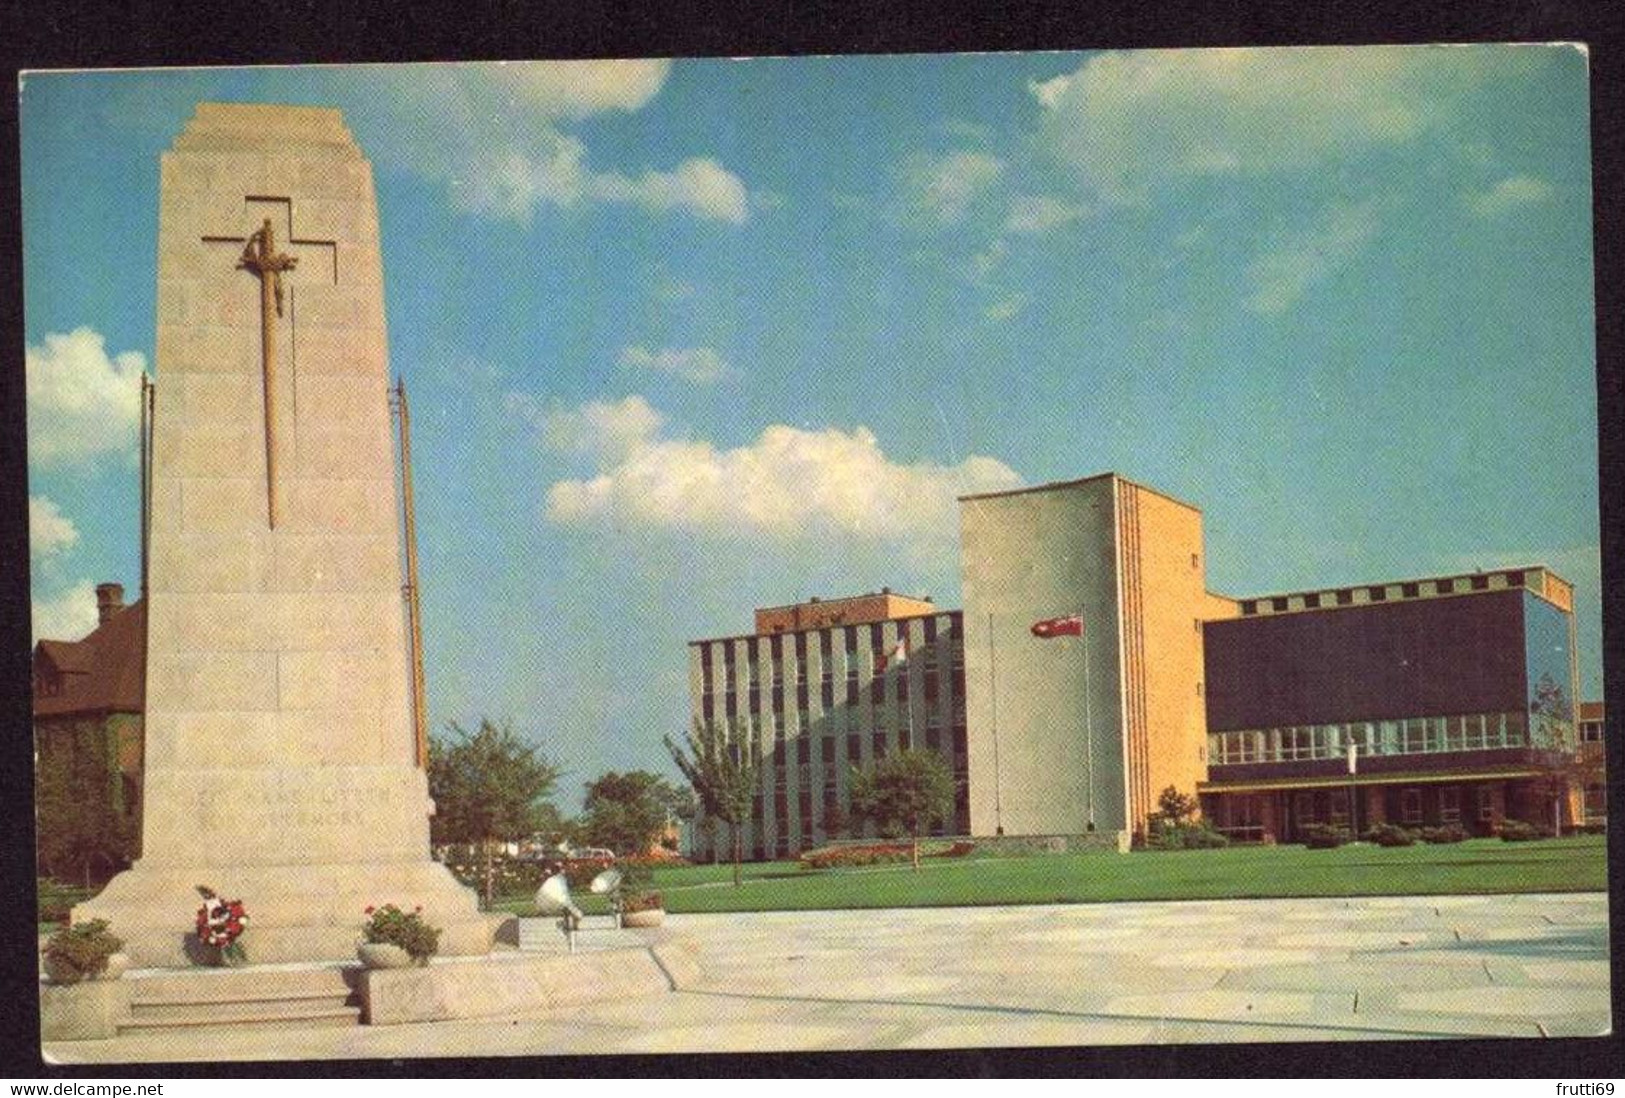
(256,997)
(242,1016)
(249,983)
(182,1013)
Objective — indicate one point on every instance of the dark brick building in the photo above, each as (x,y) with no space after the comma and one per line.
(1426,702)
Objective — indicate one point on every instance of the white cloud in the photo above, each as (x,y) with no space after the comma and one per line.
(608,431)
(81,403)
(49,531)
(69,615)
(789,483)
(941,189)
(1509,194)
(1006,308)
(1126,120)
(577,89)
(700,365)
(1285,270)
(1032,214)
(491,133)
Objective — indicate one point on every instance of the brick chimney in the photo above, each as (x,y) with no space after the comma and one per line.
(109,601)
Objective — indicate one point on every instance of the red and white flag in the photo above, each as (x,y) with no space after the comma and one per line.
(1069,626)
(895,655)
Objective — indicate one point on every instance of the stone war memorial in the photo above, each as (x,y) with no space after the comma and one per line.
(282,763)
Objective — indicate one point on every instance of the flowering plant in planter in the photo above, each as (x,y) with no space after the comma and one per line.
(641,901)
(390,925)
(220,923)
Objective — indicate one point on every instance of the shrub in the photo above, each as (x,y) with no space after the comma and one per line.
(1387,834)
(56,899)
(390,925)
(1324,836)
(1167,835)
(1516,831)
(1448,833)
(80,952)
(840,857)
(1202,837)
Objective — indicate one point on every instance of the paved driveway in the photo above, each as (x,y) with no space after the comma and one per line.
(1237,970)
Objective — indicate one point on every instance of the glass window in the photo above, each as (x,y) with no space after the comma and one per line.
(1449,805)
(1415,736)
(1486,803)
(1345,597)
(1408,590)
(1303,806)
(1337,806)
(1445,587)
(1410,806)
(1517,731)
(1436,734)
(1455,737)
(1390,738)
(1473,732)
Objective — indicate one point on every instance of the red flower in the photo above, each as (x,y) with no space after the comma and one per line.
(368,911)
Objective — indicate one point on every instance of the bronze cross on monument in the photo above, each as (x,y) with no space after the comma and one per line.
(260,258)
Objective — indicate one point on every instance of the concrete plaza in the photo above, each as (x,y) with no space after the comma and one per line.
(1369,968)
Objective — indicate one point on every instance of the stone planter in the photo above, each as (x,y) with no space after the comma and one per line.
(653,916)
(59,973)
(117,965)
(384,955)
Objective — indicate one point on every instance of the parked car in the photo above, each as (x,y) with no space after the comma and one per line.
(590,854)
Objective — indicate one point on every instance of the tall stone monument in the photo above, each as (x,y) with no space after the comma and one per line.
(281,762)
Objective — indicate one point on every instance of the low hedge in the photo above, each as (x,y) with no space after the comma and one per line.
(1324,836)
(1516,831)
(1446,833)
(843,857)
(56,899)
(1197,836)
(1387,834)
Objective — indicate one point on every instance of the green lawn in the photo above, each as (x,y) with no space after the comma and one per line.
(1475,866)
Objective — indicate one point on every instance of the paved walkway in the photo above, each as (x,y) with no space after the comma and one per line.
(1376,968)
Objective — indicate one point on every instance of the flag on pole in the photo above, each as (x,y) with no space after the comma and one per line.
(1069,626)
(894,655)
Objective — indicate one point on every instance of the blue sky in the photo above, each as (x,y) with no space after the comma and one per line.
(687,338)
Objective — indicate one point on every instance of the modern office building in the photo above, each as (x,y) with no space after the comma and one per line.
(826,685)
(1452,695)
(1455,693)
(1592,765)
(1077,734)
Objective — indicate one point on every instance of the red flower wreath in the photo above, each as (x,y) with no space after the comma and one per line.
(221,922)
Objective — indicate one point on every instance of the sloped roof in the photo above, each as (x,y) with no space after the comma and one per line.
(106,672)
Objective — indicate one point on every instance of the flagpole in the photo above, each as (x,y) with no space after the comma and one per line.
(993,678)
(1088,733)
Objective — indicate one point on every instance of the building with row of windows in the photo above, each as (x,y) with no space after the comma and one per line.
(828,685)
(1430,701)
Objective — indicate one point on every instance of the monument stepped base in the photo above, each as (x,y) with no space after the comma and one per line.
(262,999)
(295,912)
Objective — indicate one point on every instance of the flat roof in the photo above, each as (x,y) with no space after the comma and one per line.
(936,611)
(1054,484)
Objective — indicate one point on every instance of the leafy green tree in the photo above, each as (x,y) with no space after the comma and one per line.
(723,775)
(904,794)
(1176,807)
(489,786)
(84,824)
(628,812)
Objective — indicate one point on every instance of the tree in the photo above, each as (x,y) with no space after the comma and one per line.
(723,775)
(488,787)
(1552,729)
(83,820)
(1175,807)
(629,812)
(904,793)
